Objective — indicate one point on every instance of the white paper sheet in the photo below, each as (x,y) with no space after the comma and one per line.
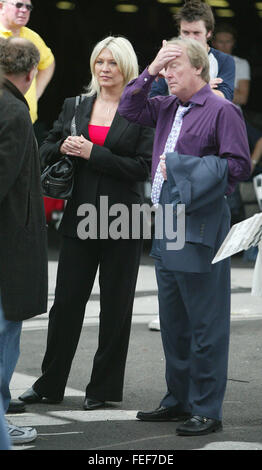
(241,237)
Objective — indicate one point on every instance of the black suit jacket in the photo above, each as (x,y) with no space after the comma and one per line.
(115,170)
(23,241)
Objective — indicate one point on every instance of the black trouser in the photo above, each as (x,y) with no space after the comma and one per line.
(118,262)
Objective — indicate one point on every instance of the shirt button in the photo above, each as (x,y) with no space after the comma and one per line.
(145,79)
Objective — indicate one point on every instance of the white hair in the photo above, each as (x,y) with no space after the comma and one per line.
(124,55)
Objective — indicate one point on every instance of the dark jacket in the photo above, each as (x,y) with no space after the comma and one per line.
(115,170)
(23,244)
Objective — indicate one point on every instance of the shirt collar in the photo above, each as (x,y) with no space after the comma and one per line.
(8,85)
(7,32)
(199,97)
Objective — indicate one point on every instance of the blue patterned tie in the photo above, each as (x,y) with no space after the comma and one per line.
(169,147)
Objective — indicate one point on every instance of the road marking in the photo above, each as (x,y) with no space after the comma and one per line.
(60,433)
(146,298)
(57,417)
(21,382)
(62,417)
(232,445)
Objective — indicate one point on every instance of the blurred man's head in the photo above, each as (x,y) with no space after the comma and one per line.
(224,38)
(19,59)
(195,20)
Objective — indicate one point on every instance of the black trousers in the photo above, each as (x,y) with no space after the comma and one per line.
(118,262)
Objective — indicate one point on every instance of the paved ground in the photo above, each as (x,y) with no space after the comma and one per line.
(115,428)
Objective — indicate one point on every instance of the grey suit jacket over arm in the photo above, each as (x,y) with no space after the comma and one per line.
(200,183)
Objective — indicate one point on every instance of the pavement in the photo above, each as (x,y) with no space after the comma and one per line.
(115,429)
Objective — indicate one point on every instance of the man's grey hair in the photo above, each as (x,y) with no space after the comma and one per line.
(197,55)
(18,56)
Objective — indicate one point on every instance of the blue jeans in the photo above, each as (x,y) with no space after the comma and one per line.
(9,354)
(4,438)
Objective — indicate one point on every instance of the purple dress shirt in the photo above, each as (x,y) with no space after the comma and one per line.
(214,125)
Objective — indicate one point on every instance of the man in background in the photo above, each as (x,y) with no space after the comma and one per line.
(224,39)
(14,17)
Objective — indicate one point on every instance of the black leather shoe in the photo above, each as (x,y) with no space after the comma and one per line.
(198,426)
(91,404)
(16,406)
(162,414)
(30,396)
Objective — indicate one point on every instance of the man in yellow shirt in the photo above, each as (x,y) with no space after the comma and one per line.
(13,19)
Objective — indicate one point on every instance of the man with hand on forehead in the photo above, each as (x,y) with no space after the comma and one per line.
(202,141)
(14,17)
(195,20)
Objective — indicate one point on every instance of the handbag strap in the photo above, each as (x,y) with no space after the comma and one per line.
(73,122)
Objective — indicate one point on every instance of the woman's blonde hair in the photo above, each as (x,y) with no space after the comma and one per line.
(197,55)
(124,55)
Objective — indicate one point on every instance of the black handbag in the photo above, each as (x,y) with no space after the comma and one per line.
(58,179)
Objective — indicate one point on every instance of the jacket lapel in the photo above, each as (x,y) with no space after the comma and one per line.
(117,128)
(82,115)
(82,118)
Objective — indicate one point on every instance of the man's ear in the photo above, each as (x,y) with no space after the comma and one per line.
(31,75)
(209,35)
(199,70)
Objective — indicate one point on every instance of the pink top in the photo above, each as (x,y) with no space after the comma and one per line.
(98,134)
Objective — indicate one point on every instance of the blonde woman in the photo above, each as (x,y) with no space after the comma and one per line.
(112,156)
